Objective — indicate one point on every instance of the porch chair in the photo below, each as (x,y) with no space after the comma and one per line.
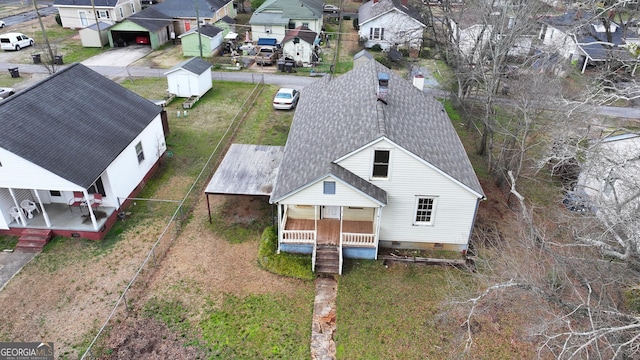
(97,201)
(76,200)
(29,206)
(15,215)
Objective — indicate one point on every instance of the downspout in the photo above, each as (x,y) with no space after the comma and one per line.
(340,259)
(377,235)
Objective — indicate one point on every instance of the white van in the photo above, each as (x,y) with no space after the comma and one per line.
(14,41)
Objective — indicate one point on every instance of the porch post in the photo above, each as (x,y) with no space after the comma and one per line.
(279,229)
(93,217)
(377,233)
(315,223)
(15,201)
(44,212)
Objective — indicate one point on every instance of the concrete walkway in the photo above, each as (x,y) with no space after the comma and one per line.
(11,263)
(323,325)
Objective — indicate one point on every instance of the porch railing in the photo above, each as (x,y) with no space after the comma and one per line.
(358,239)
(299,236)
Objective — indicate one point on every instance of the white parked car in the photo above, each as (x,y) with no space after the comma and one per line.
(14,41)
(5,92)
(286,99)
(328,8)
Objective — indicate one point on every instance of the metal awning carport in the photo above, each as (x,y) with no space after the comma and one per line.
(246,170)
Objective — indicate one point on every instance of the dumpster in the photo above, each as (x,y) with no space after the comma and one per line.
(36,58)
(57,60)
(288,66)
(14,72)
(281,65)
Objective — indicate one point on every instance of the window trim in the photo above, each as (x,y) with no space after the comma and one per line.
(374,164)
(140,152)
(329,187)
(431,212)
(376,33)
(121,11)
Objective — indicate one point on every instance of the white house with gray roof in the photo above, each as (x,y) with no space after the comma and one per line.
(370,162)
(78,14)
(389,23)
(274,17)
(69,139)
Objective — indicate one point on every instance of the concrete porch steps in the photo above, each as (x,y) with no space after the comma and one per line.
(33,240)
(327,260)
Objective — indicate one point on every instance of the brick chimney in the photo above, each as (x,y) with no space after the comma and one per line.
(405,2)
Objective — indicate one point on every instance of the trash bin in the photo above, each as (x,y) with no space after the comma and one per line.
(281,64)
(57,60)
(36,58)
(288,66)
(14,72)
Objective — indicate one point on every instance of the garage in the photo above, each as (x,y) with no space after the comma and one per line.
(148,27)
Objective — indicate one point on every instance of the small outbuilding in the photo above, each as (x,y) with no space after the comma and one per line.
(189,78)
(92,37)
(298,44)
(210,39)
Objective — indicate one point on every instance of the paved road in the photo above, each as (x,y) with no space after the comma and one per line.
(30,15)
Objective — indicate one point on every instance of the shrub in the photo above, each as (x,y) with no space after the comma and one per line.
(292,265)
(376,48)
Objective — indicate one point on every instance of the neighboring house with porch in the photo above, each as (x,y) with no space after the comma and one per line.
(372,162)
(78,14)
(70,139)
(274,17)
(390,23)
(587,39)
(298,45)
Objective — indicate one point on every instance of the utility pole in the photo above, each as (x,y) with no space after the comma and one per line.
(95,16)
(198,21)
(46,39)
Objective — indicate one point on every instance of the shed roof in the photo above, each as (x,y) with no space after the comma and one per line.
(207,30)
(301,32)
(194,65)
(247,170)
(336,116)
(280,11)
(74,123)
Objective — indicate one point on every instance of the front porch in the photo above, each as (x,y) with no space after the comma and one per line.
(329,232)
(66,221)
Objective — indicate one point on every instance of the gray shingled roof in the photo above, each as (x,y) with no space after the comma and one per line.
(187,9)
(369,10)
(291,9)
(74,123)
(194,65)
(336,116)
(97,3)
(206,30)
(150,19)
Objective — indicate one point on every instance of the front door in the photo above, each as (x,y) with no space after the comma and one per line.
(331,212)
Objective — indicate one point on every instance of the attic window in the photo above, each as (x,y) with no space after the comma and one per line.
(381,163)
(329,188)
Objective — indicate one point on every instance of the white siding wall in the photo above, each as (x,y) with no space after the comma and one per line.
(278,32)
(556,40)
(125,173)
(19,173)
(344,196)
(399,29)
(71,18)
(299,52)
(455,208)
(184,83)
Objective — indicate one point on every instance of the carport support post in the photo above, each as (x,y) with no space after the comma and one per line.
(208,208)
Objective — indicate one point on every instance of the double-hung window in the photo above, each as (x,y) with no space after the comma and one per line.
(376,34)
(381,163)
(425,209)
(139,152)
